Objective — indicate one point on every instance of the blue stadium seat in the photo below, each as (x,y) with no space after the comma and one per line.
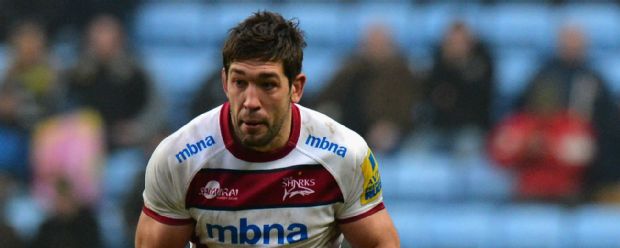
(319,65)
(395,15)
(462,225)
(424,178)
(120,172)
(119,176)
(514,68)
(412,221)
(177,69)
(486,181)
(596,226)
(177,73)
(24,214)
(174,23)
(600,21)
(425,225)
(321,22)
(530,225)
(390,178)
(608,67)
(229,14)
(521,25)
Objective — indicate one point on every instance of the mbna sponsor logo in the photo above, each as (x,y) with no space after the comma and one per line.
(324,144)
(252,234)
(193,149)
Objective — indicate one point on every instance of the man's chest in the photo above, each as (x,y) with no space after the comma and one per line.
(264,207)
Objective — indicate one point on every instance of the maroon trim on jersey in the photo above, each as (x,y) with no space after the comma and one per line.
(164,219)
(243,153)
(230,190)
(364,215)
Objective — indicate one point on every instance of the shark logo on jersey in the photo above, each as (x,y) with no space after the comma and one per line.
(293,187)
(372,179)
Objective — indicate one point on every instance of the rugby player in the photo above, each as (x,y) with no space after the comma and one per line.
(261,170)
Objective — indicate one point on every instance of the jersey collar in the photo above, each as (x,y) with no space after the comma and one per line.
(243,153)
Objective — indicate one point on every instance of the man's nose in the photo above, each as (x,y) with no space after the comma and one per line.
(252,100)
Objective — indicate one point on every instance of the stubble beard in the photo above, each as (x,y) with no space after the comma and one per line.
(256,142)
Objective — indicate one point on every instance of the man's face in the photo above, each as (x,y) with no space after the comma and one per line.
(260,100)
(572,44)
(105,38)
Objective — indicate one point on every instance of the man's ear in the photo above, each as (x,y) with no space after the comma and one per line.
(224,80)
(297,87)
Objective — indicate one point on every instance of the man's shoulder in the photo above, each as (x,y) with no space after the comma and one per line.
(321,132)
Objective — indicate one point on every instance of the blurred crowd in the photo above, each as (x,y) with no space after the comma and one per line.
(75,137)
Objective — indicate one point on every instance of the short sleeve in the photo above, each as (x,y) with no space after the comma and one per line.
(163,195)
(365,196)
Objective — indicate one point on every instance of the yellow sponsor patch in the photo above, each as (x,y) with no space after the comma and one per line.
(372,179)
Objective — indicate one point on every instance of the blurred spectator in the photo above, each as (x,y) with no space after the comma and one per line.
(210,94)
(459,87)
(562,138)
(68,147)
(374,92)
(28,93)
(70,224)
(109,80)
(29,88)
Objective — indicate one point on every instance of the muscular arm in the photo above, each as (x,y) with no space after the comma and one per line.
(376,231)
(152,234)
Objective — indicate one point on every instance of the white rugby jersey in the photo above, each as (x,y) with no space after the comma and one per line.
(236,197)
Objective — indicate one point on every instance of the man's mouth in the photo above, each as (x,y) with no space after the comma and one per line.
(252,125)
(252,122)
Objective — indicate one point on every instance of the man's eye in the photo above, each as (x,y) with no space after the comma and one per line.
(268,86)
(240,83)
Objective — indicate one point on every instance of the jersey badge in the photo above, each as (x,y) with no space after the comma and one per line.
(372,179)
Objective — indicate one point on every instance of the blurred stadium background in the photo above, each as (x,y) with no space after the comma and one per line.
(436,198)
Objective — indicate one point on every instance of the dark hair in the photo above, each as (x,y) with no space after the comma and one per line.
(266,36)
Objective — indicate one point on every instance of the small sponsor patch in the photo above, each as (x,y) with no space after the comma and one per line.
(213,189)
(372,179)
